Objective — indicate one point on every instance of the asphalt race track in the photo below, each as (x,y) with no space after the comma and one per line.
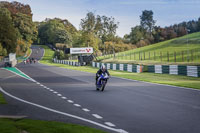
(133,106)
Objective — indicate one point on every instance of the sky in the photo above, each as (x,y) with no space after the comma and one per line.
(126,12)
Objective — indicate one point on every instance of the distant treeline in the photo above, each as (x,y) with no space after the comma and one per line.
(18,31)
(147,33)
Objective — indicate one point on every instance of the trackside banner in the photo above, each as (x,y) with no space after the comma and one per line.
(87,50)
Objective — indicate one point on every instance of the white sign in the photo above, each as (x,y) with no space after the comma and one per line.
(12,56)
(81,50)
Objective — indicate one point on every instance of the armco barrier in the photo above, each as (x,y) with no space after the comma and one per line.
(72,63)
(121,67)
(193,71)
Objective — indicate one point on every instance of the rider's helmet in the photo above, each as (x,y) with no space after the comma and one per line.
(103,68)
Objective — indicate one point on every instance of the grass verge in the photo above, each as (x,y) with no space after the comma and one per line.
(36,126)
(181,50)
(2,99)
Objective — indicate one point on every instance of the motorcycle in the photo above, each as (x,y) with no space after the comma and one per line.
(101,83)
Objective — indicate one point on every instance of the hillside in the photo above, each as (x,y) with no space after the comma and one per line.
(184,49)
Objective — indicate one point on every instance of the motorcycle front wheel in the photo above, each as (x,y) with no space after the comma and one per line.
(103,85)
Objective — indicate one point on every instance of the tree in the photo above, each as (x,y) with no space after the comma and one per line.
(146,21)
(136,34)
(53,31)
(8,34)
(4,53)
(26,28)
(98,27)
(88,23)
(1,50)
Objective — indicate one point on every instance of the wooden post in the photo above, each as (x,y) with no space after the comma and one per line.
(174,56)
(149,55)
(192,55)
(139,55)
(182,56)
(168,56)
(134,55)
(160,56)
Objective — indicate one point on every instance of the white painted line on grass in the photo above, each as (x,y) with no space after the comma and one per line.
(70,101)
(64,98)
(63,113)
(86,110)
(97,116)
(77,105)
(110,124)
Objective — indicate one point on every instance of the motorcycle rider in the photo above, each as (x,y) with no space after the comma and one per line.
(100,71)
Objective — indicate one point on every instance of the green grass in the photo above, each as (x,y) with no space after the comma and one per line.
(176,80)
(47,58)
(163,49)
(2,99)
(21,58)
(36,126)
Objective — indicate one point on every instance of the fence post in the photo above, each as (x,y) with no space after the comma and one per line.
(160,56)
(134,55)
(192,55)
(139,55)
(149,55)
(174,56)
(168,56)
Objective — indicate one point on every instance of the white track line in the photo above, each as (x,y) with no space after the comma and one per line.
(97,116)
(64,98)
(15,73)
(70,101)
(77,105)
(63,113)
(59,95)
(55,92)
(86,110)
(110,124)
(29,78)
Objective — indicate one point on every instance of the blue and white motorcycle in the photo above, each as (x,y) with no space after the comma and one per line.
(101,82)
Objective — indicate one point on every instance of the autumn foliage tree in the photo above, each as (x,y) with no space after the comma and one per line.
(8,33)
(25,29)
